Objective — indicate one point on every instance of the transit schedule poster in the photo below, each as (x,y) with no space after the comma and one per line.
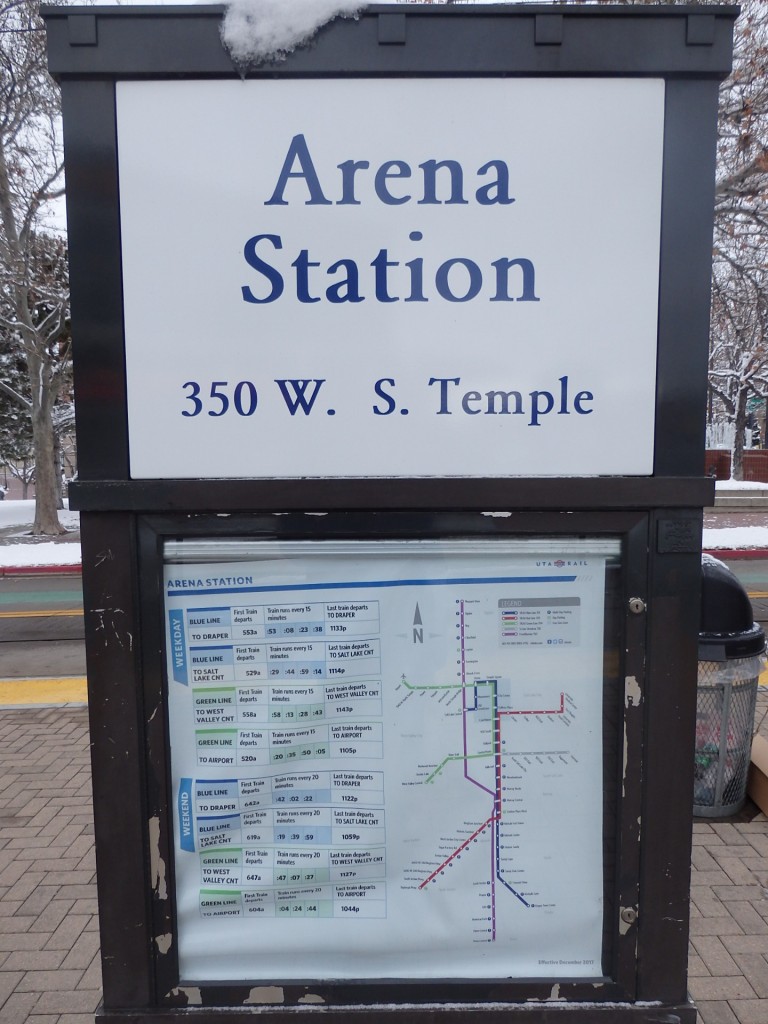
(387,761)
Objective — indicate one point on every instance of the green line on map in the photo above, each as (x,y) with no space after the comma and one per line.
(456,757)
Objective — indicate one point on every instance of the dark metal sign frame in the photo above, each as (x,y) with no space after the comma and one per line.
(658,518)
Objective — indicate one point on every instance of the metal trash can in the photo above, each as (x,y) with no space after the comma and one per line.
(731,647)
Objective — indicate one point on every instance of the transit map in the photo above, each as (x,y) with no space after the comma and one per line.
(387,760)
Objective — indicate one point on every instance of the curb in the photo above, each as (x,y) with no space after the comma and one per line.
(41,570)
(735,554)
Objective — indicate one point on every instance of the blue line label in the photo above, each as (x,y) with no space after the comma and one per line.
(186,820)
(178,647)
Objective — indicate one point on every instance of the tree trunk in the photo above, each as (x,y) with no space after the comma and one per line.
(46,471)
(740,425)
(57,462)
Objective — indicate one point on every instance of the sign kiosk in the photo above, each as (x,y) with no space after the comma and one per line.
(390,374)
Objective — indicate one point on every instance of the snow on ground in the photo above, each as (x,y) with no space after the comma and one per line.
(740,485)
(19,555)
(735,537)
(22,513)
(19,550)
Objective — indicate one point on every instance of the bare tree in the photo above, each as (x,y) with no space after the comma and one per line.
(739,336)
(33,284)
(738,367)
(739,324)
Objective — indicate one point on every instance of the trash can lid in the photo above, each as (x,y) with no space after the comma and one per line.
(727,629)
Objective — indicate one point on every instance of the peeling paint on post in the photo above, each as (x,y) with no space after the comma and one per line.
(157,862)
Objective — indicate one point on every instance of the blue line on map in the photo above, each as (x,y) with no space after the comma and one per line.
(498,869)
(364,584)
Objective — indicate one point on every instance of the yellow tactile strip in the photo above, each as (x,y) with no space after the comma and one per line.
(69,690)
(74,690)
(46,614)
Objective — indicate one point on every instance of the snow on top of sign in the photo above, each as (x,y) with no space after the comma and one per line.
(257,30)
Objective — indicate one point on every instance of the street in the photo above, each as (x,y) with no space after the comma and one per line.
(41,621)
(41,627)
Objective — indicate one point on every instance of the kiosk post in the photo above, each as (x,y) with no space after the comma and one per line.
(390,373)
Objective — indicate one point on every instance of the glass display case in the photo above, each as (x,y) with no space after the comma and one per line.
(387,756)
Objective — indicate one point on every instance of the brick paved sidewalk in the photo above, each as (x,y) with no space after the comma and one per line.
(728,962)
(49,966)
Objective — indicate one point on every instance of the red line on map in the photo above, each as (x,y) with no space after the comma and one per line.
(457,851)
(555,711)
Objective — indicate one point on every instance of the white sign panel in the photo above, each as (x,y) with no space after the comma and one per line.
(386,762)
(412,277)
